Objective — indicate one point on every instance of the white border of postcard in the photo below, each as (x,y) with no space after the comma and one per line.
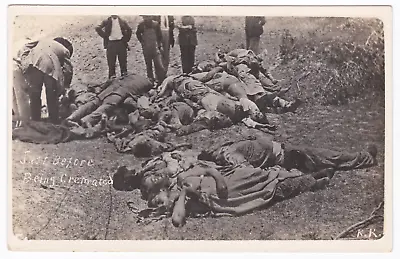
(382,245)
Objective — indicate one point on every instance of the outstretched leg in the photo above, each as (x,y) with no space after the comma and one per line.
(315,159)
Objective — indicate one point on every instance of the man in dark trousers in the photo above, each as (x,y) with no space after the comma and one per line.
(116,34)
(254,29)
(167,26)
(43,62)
(149,35)
(187,42)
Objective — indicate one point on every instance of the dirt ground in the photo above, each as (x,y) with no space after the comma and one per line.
(79,209)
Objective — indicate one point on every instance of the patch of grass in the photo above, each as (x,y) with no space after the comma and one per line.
(347,56)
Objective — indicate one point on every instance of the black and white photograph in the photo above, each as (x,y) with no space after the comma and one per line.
(238,124)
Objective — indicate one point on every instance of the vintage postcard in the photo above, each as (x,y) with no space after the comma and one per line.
(171,128)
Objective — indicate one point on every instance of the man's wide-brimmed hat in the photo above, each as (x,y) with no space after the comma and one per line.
(66,43)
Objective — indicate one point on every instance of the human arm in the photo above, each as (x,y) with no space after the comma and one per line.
(211,74)
(166,85)
(268,75)
(253,124)
(139,32)
(199,171)
(179,211)
(128,31)
(68,72)
(191,128)
(99,28)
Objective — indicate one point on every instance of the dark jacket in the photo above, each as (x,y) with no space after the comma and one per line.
(188,36)
(104,30)
(254,26)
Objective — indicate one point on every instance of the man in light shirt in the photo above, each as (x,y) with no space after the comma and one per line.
(167,25)
(116,34)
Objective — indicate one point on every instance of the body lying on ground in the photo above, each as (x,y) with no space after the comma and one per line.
(199,96)
(179,184)
(181,118)
(116,92)
(264,152)
(148,143)
(244,77)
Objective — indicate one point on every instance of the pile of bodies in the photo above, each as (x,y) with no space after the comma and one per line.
(233,88)
(234,178)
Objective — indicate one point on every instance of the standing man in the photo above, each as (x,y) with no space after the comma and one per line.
(254,29)
(149,35)
(41,62)
(167,25)
(187,42)
(116,34)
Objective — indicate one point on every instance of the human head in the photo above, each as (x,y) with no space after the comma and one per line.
(154,187)
(147,20)
(150,112)
(66,43)
(255,66)
(165,114)
(239,114)
(214,154)
(259,117)
(125,179)
(114,16)
(219,121)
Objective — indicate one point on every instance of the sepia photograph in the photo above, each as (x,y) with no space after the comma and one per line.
(185,124)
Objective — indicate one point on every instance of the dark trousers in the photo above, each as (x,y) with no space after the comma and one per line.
(310,160)
(36,79)
(116,49)
(154,57)
(187,57)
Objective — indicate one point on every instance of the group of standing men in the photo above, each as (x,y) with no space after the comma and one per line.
(47,62)
(156,35)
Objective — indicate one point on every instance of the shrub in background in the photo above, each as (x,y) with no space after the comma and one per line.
(348,58)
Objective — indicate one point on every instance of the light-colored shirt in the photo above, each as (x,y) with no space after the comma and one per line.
(116,33)
(164,23)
